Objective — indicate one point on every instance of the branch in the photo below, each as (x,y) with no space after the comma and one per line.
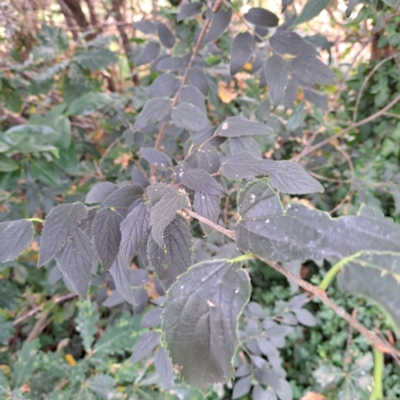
(348,129)
(374,339)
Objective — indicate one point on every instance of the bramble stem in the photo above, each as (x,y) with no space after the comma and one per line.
(377,390)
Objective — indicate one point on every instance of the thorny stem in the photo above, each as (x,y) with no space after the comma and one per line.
(377,390)
(196,49)
(375,340)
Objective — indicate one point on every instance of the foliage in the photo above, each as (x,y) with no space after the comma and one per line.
(66,174)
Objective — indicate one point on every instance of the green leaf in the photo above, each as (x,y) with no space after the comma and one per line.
(86,321)
(7,164)
(311,10)
(298,232)
(6,333)
(103,386)
(28,362)
(5,391)
(374,274)
(15,237)
(177,256)
(94,59)
(89,102)
(188,116)
(145,345)
(199,321)
(44,172)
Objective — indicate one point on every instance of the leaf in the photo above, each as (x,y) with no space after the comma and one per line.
(311,10)
(239,126)
(107,235)
(75,261)
(317,99)
(305,317)
(170,64)
(88,103)
(155,192)
(196,77)
(199,321)
(5,390)
(199,180)
(290,92)
(123,280)
(190,94)
(241,51)
(124,197)
(102,385)
(139,277)
(188,116)
(163,213)
(152,318)
(166,85)
(241,388)
(7,164)
(163,367)
(189,10)
(261,17)
(300,233)
(154,110)
(94,59)
(312,70)
(15,237)
(145,345)
(244,144)
(219,24)
(86,321)
(177,256)
(156,157)
(148,54)
(145,26)
(59,225)
(45,172)
(134,231)
(208,159)
(6,333)
(285,176)
(138,177)
(166,37)
(288,42)
(100,192)
(374,274)
(28,362)
(276,76)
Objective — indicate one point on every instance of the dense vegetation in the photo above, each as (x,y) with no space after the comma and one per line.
(211,192)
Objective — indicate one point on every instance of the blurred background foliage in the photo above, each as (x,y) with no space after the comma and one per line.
(69,95)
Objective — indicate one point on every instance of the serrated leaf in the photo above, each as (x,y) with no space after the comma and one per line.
(312,70)
(374,274)
(124,197)
(86,321)
(241,388)
(122,279)
(189,10)
(100,192)
(199,180)
(138,177)
(288,42)
(170,64)
(241,51)
(94,59)
(177,256)
(102,385)
(75,261)
(59,225)
(146,26)
(164,212)
(154,110)
(208,159)
(145,345)
(285,176)
(134,231)
(244,144)
(316,98)
(300,233)
(261,17)
(166,37)
(148,54)
(196,77)
(276,76)
(156,157)
(155,192)
(190,94)
(163,367)
(166,85)
(28,361)
(15,237)
(107,235)
(219,24)
(311,9)
(240,126)
(188,116)
(199,321)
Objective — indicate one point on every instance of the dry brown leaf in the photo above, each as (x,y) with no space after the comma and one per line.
(313,396)
(226,93)
(123,160)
